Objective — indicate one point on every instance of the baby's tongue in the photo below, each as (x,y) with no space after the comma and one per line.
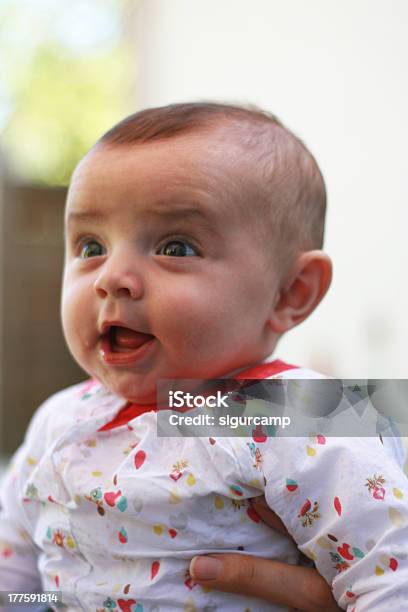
(126,338)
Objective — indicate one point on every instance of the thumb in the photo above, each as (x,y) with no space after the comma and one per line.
(272,581)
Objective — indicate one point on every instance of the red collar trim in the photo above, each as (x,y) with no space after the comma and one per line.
(259,372)
(127,413)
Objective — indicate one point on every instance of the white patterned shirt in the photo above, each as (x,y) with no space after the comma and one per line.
(112,518)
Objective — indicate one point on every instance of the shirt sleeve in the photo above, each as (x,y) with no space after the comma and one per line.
(344,501)
(18,553)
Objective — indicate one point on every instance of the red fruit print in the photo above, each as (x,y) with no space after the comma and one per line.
(309,515)
(344,550)
(305,508)
(320,439)
(375,486)
(236,490)
(7,552)
(172,533)
(122,535)
(379,493)
(337,505)
(154,569)
(291,485)
(175,477)
(190,584)
(253,515)
(140,459)
(111,497)
(393,564)
(350,594)
(126,604)
(258,435)
(56,580)
(51,499)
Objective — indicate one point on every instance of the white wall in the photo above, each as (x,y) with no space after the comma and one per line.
(336,73)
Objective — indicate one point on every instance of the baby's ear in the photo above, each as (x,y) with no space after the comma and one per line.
(305,284)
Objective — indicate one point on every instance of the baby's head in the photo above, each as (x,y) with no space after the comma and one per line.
(193,236)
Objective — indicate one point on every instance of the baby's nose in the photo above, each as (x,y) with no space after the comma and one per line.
(119,279)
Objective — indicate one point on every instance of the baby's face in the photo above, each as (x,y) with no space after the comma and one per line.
(165,276)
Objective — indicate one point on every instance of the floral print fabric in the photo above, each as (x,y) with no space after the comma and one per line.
(112,518)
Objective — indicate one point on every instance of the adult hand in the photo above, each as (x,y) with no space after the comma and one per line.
(297,587)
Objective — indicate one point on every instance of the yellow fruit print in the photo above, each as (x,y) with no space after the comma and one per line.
(396,518)
(218,502)
(191,480)
(174,498)
(397,493)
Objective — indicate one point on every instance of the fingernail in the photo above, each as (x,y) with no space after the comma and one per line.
(205,568)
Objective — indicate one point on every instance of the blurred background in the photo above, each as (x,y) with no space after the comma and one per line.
(334,72)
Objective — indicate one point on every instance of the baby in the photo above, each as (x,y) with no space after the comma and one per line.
(193,237)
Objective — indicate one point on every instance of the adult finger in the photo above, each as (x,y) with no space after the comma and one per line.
(267,515)
(297,587)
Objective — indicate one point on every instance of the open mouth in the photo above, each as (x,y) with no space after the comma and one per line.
(120,345)
(123,339)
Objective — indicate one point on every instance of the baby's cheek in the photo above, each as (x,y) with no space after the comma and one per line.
(173,309)
(66,317)
(197,319)
(75,321)
(70,315)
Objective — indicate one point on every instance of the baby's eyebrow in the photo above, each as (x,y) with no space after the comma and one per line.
(75,216)
(168,212)
(180,212)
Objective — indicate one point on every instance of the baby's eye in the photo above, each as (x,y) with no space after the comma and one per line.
(177,248)
(91,248)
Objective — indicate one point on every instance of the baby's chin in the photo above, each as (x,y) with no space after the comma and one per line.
(146,389)
(131,388)
(135,394)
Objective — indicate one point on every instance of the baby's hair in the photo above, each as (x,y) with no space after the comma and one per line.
(284,177)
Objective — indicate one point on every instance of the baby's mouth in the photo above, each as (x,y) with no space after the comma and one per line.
(122,346)
(124,339)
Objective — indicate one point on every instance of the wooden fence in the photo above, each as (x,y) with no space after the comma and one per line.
(34,361)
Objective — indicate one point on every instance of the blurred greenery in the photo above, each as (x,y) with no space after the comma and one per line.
(61,91)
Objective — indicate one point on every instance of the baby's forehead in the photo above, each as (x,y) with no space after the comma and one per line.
(192,176)
(192,165)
